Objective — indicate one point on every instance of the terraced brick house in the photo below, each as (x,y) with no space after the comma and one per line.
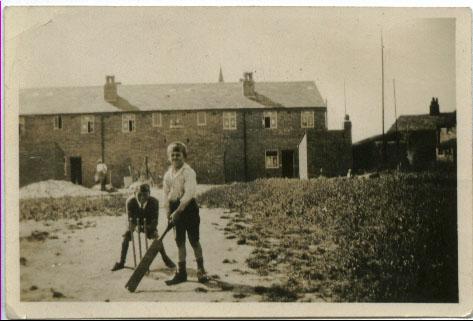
(234,131)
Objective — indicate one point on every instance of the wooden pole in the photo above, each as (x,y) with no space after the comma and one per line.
(382,97)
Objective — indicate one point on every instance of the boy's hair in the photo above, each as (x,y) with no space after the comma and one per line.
(143,188)
(177,147)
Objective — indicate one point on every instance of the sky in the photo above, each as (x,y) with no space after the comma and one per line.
(334,47)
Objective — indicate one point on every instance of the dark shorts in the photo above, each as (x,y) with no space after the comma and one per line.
(189,222)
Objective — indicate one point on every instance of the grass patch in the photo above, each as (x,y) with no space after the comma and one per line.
(392,238)
(71,207)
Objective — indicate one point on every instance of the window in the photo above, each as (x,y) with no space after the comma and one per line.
(128,123)
(176,120)
(58,122)
(87,124)
(22,126)
(307,119)
(272,159)
(270,119)
(201,118)
(157,120)
(229,120)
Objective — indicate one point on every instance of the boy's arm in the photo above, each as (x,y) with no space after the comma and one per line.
(155,218)
(166,190)
(129,213)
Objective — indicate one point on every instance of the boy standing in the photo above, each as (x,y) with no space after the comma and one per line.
(141,207)
(179,185)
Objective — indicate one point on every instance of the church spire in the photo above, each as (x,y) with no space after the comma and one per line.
(220,76)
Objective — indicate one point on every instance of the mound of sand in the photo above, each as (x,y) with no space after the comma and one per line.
(56,188)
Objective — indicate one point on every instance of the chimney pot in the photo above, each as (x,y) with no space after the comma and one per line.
(248,85)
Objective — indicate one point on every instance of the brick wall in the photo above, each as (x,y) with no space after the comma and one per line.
(40,129)
(330,151)
(40,162)
(217,155)
(204,143)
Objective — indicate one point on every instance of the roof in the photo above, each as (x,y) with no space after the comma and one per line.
(388,137)
(414,123)
(167,97)
(62,100)
(424,122)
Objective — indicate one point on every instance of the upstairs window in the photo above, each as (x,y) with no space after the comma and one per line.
(128,123)
(229,120)
(307,119)
(176,121)
(22,125)
(87,124)
(157,120)
(272,158)
(57,122)
(270,119)
(201,118)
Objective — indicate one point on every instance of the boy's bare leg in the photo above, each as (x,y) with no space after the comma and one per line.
(181,274)
(201,274)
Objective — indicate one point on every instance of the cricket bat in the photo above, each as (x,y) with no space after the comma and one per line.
(148,258)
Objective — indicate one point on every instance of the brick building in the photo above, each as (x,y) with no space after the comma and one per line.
(234,131)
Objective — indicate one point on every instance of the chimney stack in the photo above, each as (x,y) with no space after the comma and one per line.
(248,85)
(347,128)
(434,107)
(110,89)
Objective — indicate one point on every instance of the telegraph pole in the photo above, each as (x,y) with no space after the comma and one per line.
(395,106)
(345,96)
(395,121)
(382,97)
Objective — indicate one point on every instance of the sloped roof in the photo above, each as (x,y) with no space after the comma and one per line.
(414,123)
(167,97)
(63,100)
(424,122)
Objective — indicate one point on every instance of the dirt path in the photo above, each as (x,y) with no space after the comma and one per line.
(75,257)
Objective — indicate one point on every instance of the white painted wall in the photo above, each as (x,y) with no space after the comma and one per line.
(303,169)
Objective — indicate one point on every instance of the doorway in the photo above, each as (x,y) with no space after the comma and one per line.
(76,170)
(287,157)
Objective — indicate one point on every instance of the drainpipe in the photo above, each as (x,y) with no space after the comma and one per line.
(102,138)
(244,147)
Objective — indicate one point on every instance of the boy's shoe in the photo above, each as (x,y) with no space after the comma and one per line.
(202,276)
(118,266)
(179,277)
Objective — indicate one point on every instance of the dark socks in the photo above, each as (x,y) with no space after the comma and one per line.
(180,276)
(200,264)
(125,244)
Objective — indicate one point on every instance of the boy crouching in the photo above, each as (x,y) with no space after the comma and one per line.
(142,211)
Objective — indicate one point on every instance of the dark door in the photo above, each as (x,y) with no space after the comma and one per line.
(287,163)
(76,170)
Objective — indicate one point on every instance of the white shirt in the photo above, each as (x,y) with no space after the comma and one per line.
(102,168)
(180,185)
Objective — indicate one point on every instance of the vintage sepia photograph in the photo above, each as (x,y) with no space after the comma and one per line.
(171,156)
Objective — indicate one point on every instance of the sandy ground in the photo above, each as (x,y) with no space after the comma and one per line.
(73,261)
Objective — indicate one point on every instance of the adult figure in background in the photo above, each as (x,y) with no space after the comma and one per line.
(101,174)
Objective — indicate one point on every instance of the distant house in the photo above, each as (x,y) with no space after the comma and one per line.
(414,140)
(234,131)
